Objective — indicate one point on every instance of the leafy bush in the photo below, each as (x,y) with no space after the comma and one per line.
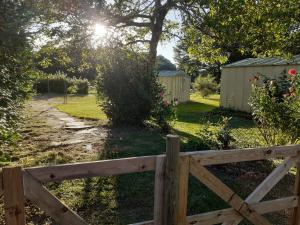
(205,85)
(59,83)
(217,135)
(163,112)
(82,85)
(129,90)
(14,89)
(275,108)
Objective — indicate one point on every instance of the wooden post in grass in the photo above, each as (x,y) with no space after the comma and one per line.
(296,213)
(13,196)
(174,184)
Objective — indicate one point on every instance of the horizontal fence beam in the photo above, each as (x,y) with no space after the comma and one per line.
(241,155)
(230,214)
(93,169)
(147,163)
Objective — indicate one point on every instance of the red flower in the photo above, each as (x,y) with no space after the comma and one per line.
(292,72)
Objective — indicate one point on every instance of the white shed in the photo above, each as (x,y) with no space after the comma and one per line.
(235,84)
(177,84)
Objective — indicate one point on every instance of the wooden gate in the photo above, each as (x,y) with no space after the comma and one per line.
(171,186)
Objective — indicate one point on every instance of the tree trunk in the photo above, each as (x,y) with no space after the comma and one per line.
(157,28)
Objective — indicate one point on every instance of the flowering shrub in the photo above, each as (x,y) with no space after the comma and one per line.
(275,108)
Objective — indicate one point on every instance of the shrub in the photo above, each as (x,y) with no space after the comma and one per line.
(217,135)
(163,111)
(129,90)
(275,108)
(82,86)
(60,83)
(14,88)
(205,85)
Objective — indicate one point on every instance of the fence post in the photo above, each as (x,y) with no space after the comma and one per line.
(159,190)
(171,180)
(296,214)
(13,196)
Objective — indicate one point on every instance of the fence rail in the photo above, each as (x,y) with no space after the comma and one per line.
(171,186)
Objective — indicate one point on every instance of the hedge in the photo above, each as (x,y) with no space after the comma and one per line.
(59,83)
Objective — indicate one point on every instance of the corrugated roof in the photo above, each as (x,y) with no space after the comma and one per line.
(265,62)
(171,73)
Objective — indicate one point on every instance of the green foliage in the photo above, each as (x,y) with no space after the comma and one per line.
(82,85)
(129,89)
(163,112)
(71,58)
(15,65)
(226,31)
(205,85)
(163,63)
(60,83)
(275,108)
(217,135)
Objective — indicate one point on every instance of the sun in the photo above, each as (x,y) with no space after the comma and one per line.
(99,30)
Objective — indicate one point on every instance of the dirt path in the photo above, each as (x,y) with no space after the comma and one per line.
(49,131)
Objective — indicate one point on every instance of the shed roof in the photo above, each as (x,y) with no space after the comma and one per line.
(171,73)
(271,61)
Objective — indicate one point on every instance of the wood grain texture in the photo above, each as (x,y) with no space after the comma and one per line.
(242,155)
(159,190)
(14,196)
(183,182)
(93,169)
(220,216)
(295,220)
(172,179)
(1,184)
(224,192)
(263,189)
(52,206)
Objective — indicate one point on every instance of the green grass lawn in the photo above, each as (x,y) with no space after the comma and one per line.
(84,106)
(189,116)
(128,198)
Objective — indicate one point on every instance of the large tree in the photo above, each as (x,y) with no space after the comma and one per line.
(138,22)
(228,30)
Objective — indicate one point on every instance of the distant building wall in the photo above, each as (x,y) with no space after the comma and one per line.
(236,87)
(177,87)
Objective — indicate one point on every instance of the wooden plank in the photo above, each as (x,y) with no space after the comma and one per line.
(295,220)
(224,192)
(1,184)
(263,189)
(52,206)
(147,163)
(92,169)
(13,196)
(242,155)
(183,182)
(150,222)
(171,182)
(229,214)
(159,190)
(220,216)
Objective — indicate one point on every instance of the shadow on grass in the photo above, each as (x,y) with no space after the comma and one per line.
(129,198)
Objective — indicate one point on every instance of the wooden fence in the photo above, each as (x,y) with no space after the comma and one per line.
(171,186)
